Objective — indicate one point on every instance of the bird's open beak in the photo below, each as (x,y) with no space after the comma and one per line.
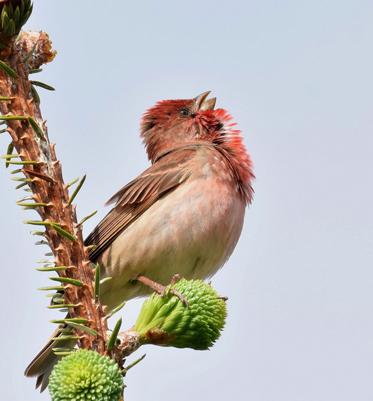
(202,103)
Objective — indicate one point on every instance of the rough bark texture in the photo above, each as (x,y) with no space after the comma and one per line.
(31,51)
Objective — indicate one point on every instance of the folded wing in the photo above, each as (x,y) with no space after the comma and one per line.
(164,176)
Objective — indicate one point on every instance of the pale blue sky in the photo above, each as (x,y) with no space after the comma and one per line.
(297,77)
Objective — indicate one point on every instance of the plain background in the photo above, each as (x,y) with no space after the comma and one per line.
(297,77)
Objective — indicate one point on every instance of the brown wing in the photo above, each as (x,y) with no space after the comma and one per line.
(137,196)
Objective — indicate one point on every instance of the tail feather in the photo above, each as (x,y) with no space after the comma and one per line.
(42,365)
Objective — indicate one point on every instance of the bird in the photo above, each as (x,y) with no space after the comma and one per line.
(182,216)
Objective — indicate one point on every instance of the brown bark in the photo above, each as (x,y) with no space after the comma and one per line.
(31,51)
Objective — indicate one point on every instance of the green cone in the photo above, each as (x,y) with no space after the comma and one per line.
(165,320)
(86,375)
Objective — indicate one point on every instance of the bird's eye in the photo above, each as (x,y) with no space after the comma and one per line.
(184,112)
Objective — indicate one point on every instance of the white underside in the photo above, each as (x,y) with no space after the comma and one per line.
(188,232)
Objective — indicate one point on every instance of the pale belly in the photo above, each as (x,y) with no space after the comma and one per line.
(188,232)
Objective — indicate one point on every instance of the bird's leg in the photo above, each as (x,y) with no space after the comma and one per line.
(175,279)
(156,287)
(161,289)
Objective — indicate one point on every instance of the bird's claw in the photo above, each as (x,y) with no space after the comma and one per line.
(163,290)
(177,294)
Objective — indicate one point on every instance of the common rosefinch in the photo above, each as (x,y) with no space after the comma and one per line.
(183,215)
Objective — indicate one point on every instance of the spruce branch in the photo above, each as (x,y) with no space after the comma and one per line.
(42,173)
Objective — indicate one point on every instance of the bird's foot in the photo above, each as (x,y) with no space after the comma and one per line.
(179,295)
(175,279)
(163,290)
(156,287)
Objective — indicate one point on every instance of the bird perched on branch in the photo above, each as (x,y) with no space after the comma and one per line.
(183,215)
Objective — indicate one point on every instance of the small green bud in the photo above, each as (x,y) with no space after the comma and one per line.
(13,15)
(165,320)
(86,375)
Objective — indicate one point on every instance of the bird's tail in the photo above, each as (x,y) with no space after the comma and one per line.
(42,365)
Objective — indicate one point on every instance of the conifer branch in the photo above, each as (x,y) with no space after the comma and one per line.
(42,172)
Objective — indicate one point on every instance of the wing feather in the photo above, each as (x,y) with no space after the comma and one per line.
(140,194)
